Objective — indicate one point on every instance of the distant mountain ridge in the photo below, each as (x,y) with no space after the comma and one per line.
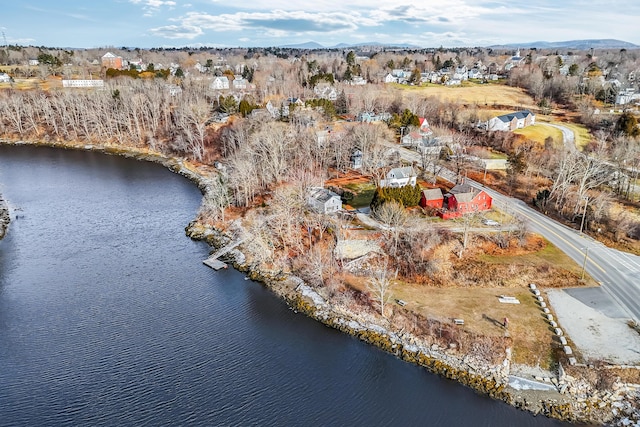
(315,45)
(570,44)
(573,44)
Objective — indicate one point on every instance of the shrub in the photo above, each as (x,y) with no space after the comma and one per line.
(408,196)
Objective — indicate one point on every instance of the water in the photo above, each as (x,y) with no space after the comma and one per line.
(108,317)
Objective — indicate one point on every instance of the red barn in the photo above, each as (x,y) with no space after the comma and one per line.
(463,198)
(432,198)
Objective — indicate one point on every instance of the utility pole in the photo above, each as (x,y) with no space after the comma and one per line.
(584,263)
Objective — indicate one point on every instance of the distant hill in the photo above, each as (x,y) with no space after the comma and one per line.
(570,44)
(375,44)
(314,45)
(573,44)
(307,45)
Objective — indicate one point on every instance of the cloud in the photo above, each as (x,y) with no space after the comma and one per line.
(154,3)
(456,12)
(150,7)
(278,20)
(459,23)
(81,17)
(177,32)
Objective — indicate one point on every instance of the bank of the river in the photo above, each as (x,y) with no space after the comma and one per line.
(576,404)
(4,216)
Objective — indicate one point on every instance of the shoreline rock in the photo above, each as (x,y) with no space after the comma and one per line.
(5,217)
(488,380)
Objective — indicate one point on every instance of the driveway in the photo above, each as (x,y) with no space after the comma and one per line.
(568,137)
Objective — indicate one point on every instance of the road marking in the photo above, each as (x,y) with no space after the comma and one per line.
(530,218)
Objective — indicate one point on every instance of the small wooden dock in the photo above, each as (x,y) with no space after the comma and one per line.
(214,262)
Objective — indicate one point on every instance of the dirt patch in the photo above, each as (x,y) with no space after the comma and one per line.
(339,179)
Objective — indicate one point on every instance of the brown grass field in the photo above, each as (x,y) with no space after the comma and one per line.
(490,95)
(476,301)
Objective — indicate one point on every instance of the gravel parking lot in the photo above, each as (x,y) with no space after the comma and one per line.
(596,325)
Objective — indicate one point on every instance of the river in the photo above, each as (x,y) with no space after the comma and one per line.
(108,317)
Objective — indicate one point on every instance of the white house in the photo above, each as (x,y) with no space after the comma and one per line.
(326,91)
(460,73)
(514,61)
(4,78)
(475,73)
(358,81)
(324,201)
(399,177)
(356,159)
(512,121)
(219,83)
(240,83)
(389,78)
(273,110)
(628,96)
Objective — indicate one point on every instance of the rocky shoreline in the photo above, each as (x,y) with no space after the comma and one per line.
(5,217)
(576,404)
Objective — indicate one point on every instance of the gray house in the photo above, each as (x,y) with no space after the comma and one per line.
(323,201)
(399,177)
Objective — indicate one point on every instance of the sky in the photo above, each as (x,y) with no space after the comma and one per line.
(261,23)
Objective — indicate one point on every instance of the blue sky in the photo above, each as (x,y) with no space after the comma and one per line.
(224,23)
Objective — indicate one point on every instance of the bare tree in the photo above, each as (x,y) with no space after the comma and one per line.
(216,200)
(380,285)
(394,217)
(468,221)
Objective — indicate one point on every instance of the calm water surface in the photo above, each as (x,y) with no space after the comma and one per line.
(108,317)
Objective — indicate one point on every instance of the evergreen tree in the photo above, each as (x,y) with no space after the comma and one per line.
(627,124)
(340,104)
(407,196)
(351,59)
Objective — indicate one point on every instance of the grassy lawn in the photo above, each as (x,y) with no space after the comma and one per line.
(483,313)
(539,132)
(363,194)
(583,137)
(549,255)
(479,306)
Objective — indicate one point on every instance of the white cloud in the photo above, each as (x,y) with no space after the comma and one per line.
(154,3)
(177,32)
(150,7)
(278,21)
(458,23)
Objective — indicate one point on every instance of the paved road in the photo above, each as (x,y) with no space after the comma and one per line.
(617,272)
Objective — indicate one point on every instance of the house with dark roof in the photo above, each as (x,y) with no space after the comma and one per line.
(512,121)
(323,201)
